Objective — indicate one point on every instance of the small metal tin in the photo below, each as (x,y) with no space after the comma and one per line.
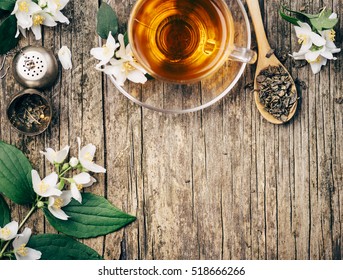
(29,112)
(35,67)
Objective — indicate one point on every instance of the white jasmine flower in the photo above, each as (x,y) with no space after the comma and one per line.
(307,37)
(316,49)
(56,157)
(23,11)
(46,187)
(73,162)
(316,58)
(38,19)
(319,58)
(298,55)
(329,36)
(333,16)
(79,182)
(54,7)
(9,231)
(42,3)
(21,251)
(64,55)
(316,65)
(314,54)
(20,30)
(125,67)
(106,52)
(57,202)
(86,156)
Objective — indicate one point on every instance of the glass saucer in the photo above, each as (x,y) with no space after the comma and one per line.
(180,98)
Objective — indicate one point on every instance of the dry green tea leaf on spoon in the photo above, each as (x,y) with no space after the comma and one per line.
(275,91)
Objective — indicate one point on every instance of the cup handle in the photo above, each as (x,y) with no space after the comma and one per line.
(243,55)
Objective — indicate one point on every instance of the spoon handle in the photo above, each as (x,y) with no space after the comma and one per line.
(262,41)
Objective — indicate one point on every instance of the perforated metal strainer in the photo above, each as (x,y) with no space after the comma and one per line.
(35,67)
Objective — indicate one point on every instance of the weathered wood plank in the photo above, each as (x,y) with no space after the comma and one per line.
(87,94)
(284,158)
(331,143)
(302,208)
(123,161)
(336,95)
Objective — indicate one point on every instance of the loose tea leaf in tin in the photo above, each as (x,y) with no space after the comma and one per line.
(30,113)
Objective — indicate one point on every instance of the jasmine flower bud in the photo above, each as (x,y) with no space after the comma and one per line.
(40,204)
(73,162)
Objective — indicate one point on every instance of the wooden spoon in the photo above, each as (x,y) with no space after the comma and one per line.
(265,59)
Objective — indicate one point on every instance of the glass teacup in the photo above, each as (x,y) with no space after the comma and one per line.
(166,97)
(184,41)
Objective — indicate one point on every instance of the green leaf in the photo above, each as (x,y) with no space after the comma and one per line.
(61,247)
(15,175)
(323,22)
(300,15)
(126,39)
(8,30)
(94,217)
(7,5)
(317,21)
(107,21)
(289,18)
(5,215)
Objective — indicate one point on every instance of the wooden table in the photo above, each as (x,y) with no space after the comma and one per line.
(221,183)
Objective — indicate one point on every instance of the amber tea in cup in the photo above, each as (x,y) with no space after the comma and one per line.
(183,41)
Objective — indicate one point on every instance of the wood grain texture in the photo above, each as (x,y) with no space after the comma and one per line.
(221,183)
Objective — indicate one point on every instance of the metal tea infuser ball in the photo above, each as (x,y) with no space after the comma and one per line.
(35,67)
